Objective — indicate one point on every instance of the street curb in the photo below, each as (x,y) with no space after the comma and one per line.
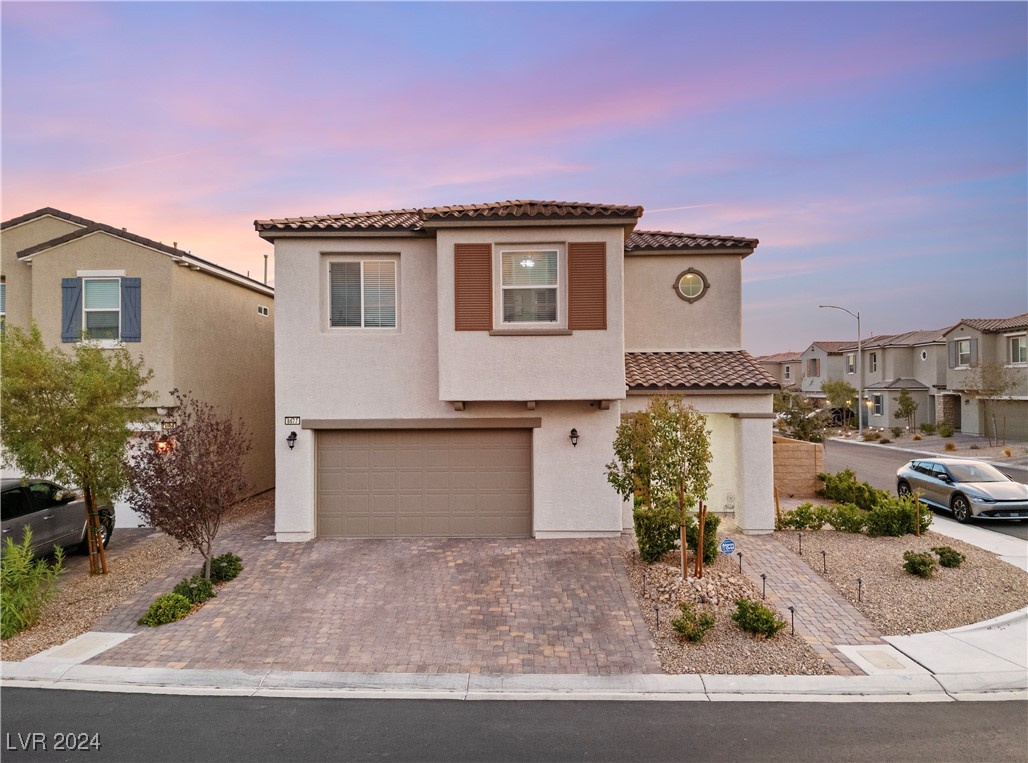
(928,453)
(1009,685)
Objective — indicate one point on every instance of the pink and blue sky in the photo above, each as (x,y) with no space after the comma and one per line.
(879,151)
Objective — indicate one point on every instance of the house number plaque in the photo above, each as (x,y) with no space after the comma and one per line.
(292,421)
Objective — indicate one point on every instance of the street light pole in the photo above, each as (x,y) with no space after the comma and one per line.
(859,369)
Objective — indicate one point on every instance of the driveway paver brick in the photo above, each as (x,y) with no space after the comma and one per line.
(401,605)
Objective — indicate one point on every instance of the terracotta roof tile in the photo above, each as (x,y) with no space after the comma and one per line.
(52,211)
(991,325)
(695,370)
(644,241)
(780,357)
(834,348)
(413,220)
(898,383)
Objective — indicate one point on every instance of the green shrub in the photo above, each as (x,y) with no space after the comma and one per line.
(225,567)
(26,584)
(920,564)
(885,441)
(872,436)
(844,488)
(806,516)
(927,428)
(896,516)
(847,518)
(710,542)
(949,556)
(897,432)
(756,618)
(656,531)
(197,589)
(945,429)
(692,626)
(166,609)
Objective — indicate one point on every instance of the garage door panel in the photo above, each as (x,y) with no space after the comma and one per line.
(424,482)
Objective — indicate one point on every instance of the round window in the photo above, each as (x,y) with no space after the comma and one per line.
(691,285)
(924,354)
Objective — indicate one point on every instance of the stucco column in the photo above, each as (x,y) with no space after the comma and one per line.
(755,509)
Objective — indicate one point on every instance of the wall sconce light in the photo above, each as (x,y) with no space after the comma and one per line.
(291,440)
(574,438)
(967,402)
(163,444)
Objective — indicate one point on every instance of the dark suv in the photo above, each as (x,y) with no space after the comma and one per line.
(57,515)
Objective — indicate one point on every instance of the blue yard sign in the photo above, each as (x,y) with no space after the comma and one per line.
(727,546)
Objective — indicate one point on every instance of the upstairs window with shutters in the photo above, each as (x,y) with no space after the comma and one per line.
(530,285)
(362,294)
(101,306)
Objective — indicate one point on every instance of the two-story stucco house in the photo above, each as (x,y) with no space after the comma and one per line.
(461,371)
(198,326)
(785,367)
(915,361)
(991,343)
(820,362)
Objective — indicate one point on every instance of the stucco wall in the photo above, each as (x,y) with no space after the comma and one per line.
(18,275)
(474,365)
(796,465)
(657,319)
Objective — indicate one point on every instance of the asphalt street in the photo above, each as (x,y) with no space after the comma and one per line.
(878,466)
(146,727)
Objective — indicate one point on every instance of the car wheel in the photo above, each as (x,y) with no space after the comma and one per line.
(903,489)
(961,509)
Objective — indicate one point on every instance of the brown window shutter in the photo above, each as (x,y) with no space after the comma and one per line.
(473,287)
(587,286)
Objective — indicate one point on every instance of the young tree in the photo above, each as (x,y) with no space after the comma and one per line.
(906,407)
(662,460)
(184,479)
(67,417)
(841,395)
(800,417)
(989,383)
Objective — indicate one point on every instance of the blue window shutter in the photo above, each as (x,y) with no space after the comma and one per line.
(131,314)
(71,309)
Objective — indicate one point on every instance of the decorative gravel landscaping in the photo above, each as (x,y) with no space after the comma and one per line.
(898,603)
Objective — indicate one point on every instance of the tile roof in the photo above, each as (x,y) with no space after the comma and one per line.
(695,371)
(93,227)
(51,211)
(908,339)
(650,241)
(780,357)
(897,383)
(991,325)
(834,348)
(413,220)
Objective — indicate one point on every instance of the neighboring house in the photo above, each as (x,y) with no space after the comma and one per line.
(785,367)
(914,361)
(997,343)
(461,371)
(820,362)
(199,327)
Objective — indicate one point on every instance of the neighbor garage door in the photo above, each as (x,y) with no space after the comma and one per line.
(424,482)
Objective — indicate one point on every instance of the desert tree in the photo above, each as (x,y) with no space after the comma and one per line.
(906,407)
(841,395)
(184,479)
(989,383)
(662,462)
(799,417)
(67,416)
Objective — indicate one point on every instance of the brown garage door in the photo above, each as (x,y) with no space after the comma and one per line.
(424,482)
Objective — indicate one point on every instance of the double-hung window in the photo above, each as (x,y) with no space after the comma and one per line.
(813,367)
(3,304)
(530,285)
(874,362)
(879,404)
(1018,349)
(101,307)
(851,363)
(362,294)
(963,352)
(788,372)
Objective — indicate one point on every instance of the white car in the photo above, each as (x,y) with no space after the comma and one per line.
(968,489)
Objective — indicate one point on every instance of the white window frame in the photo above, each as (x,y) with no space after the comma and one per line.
(3,303)
(1021,339)
(102,276)
(787,372)
(959,342)
(263,310)
(333,258)
(878,401)
(851,362)
(874,362)
(561,321)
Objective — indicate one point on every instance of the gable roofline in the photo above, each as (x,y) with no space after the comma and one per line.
(669,242)
(45,212)
(992,325)
(179,256)
(832,347)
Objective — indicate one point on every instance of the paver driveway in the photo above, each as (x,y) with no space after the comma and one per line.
(402,605)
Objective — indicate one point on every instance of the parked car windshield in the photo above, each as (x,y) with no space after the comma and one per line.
(975,473)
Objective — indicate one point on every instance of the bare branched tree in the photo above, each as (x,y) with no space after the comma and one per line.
(184,479)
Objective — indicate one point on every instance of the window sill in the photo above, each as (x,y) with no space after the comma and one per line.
(531,332)
(104,344)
